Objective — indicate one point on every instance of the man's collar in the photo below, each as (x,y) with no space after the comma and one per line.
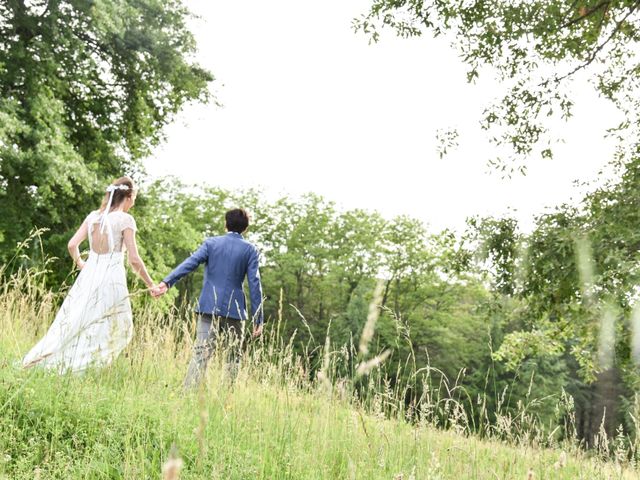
(235,234)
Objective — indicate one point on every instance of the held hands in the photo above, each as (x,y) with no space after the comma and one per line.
(257,330)
(158,290)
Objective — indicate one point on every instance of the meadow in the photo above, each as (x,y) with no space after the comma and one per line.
(133,420)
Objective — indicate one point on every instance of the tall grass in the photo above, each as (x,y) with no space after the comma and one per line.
(283,417)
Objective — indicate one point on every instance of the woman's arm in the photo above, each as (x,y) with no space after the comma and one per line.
(74,244)
(134,258)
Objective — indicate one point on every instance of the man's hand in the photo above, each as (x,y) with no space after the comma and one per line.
(159,290)
(257,330)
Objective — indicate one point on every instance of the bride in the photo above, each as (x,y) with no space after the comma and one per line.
(94,323)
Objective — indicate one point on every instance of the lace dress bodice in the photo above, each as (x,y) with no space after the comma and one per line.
(111,240)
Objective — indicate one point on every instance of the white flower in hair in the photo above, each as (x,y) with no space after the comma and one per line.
(113,188)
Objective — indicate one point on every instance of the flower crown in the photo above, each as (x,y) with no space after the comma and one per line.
(113,188)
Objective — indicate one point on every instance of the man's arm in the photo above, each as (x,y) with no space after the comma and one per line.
(255,288)
(189,265)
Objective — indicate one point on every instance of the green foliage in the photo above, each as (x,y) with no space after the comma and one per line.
(522,345)
(86,88)
(535,49)
(500,247)
(572,284)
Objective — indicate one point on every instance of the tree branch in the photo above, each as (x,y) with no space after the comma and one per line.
(599,48)
(586,13)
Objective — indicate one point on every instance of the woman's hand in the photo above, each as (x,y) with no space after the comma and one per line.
(159,290)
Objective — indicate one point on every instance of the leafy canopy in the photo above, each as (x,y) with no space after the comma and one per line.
(536,47)
(85,89)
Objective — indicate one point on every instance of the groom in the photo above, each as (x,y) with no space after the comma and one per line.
(222,307)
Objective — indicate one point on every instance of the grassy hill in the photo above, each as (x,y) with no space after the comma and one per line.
(130,420)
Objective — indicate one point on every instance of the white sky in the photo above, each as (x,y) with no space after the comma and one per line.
(310,106)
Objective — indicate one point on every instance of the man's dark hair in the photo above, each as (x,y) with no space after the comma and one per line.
(237,220)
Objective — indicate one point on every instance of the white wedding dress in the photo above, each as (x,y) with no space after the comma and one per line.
(94,323)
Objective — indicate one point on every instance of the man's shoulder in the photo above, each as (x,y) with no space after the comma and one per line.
(248,244)
(207,242)
(226,238)
(233,238)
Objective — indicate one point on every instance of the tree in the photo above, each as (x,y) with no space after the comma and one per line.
(574,298)
(536,48)
(85,90)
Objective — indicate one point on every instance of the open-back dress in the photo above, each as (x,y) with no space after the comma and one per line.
(94,323)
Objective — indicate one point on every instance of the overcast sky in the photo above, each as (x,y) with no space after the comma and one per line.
(308,105)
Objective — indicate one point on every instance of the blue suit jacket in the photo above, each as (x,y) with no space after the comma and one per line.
(228,259)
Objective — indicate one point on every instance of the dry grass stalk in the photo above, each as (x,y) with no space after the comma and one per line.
(562,460)
(365,367)
(372,318)
(173,465)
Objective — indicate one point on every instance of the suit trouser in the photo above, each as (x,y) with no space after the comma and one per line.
(214,332)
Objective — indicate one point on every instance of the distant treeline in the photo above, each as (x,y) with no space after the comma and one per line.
(509,319)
